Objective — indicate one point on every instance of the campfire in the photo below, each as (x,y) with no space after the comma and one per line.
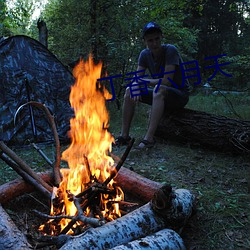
(87,188)
(87,198)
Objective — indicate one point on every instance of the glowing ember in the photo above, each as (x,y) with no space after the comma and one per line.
(88,155)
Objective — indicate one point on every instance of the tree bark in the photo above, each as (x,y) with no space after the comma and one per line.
(163,239)
(18,187)
(167,209)
(10,237)
(212,131)
(43,32)
(136,185)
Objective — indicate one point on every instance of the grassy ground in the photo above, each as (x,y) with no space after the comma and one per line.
(219,180)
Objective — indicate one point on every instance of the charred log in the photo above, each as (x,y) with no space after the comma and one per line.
(212,131)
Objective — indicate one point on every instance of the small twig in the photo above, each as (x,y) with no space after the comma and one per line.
(79,215)
(86,162)
(96,187)
(52,217)
(38,201)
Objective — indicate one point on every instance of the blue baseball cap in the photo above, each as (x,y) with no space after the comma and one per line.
(150,26)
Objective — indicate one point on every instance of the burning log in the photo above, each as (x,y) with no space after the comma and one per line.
(140,187)
(10,237)
(165,210)
(163,239)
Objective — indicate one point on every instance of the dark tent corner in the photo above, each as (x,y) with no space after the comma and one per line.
(30,72)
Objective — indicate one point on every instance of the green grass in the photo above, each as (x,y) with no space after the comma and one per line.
(229,105)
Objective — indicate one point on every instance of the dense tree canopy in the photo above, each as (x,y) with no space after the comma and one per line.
(111,31)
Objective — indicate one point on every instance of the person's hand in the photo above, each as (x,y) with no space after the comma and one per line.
(135,92)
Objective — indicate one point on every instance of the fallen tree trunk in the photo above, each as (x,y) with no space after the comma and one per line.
(163,239)
(10,237)
(212,131)
(150,218)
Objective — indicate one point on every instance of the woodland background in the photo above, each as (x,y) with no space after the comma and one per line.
(111,31)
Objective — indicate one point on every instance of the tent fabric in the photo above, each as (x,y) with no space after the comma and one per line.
(29,71)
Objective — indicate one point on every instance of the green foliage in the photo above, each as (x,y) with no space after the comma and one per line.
(4,24)
(111,31)
(20,16)
(223,29)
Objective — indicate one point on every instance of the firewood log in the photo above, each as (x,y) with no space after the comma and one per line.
(10,237)
(150,218)
(18,187)
(163,239)
(136,185)
(131,182)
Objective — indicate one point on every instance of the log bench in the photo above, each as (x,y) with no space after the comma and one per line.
(211,131)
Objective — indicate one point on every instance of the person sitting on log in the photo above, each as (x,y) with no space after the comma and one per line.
(166,91)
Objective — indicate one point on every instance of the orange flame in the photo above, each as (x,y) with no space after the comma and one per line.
(88,154)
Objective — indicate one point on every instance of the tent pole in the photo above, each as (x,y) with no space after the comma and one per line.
(33,125)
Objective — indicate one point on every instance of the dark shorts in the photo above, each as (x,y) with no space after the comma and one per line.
(175,99)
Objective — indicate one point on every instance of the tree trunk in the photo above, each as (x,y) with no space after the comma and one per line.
(212,131)
(10,237)
(43,32)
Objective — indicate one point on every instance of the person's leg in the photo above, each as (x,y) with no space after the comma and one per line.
(167,99)
(128,110)
(157,111)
